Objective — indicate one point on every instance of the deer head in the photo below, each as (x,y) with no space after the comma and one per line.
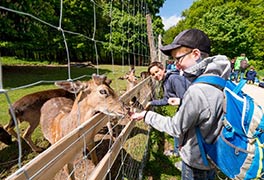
(96,95)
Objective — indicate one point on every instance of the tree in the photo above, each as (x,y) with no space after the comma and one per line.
(38,28)
(233,26)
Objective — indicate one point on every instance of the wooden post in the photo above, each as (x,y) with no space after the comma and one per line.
(159,52)
(153,53)
(162,58)
(1,79)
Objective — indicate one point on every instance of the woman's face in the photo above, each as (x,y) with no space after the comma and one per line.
(157,73)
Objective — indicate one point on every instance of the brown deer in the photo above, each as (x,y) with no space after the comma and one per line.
(57,120)
(132,80)
(28,108)
(144,75)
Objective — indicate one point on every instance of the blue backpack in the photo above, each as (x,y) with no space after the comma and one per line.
(238,150)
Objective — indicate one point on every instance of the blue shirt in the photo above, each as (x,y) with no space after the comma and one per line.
(174,85)
(251,74)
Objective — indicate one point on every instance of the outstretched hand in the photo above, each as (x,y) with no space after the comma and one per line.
(138,116)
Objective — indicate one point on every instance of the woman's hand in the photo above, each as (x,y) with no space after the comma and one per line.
(174,101)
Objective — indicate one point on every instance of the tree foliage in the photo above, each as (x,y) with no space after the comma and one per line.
(90,27)
(233,26)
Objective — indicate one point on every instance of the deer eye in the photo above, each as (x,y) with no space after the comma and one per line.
(103,91)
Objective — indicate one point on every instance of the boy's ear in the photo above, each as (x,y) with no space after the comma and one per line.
(196,53)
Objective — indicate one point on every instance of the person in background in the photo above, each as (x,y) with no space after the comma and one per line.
(232,73)
(201,105)
(251,75)
(168,68)
(173,67)
(240,66)
(174,85)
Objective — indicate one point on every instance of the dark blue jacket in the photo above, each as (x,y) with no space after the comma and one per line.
(174,85)
(251,74)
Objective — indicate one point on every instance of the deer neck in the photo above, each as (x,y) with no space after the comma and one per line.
(81,111)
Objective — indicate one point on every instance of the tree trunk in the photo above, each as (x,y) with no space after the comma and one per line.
(153,53)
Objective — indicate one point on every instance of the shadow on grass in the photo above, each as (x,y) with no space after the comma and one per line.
(160,167)
(9,157)
(15,76)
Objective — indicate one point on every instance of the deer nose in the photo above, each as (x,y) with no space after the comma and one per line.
(126,107)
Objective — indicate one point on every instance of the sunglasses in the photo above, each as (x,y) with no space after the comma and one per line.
(178,59)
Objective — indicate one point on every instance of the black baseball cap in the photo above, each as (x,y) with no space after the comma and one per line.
(191,38)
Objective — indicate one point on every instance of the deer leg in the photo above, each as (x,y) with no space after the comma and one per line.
(111,132)
(10,128)
(116,131)
(28,139)
(93,155)
(70,171)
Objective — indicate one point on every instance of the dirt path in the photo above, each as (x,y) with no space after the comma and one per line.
(257,93)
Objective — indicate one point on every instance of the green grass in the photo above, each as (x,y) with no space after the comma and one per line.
(15,61)
(260,75)
(160,166)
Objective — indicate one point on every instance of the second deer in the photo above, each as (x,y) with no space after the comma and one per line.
(27,109)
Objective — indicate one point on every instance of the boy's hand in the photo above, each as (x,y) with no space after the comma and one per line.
(138,116)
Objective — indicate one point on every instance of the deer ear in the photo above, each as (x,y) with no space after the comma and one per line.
(95,78)
(99,79)
(108,81)
(72,87)
(132,72)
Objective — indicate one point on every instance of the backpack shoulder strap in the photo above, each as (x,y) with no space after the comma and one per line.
(220,82)
(201,147)
(213,80)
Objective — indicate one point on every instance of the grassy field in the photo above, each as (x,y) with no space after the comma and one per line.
(18,73)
